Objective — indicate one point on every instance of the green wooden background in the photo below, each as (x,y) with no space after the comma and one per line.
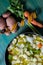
(4,4)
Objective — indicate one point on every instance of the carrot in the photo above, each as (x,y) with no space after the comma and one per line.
(22,23)
(31,17)
(33,14)
(26,14)
(39,45)
(34,22)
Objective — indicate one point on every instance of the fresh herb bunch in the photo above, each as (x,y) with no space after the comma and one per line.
(16,8)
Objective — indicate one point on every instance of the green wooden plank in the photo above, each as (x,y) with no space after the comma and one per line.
(4,4)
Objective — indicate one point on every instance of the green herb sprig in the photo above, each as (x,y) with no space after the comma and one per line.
(16,8)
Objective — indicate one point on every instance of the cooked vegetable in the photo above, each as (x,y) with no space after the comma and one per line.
(26,50)
(39,45)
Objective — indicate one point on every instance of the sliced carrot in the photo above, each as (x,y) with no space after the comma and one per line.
(39,45)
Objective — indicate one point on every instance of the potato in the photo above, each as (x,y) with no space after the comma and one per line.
(2,23)
(11,23)
(7,14)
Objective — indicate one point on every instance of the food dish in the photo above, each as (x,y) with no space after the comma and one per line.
(25,49)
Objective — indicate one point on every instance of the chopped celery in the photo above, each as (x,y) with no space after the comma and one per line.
(38,38)
(10,57)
